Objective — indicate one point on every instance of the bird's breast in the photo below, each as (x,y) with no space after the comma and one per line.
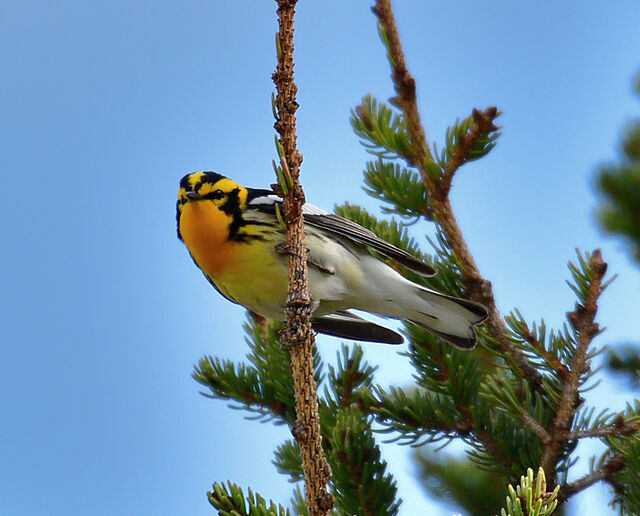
(205,230)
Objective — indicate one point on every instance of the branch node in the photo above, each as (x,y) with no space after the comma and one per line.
(300,432)
(286,250)
(326,502)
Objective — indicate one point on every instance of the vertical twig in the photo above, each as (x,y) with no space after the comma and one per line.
(298,335)
(583,321)
(478,288)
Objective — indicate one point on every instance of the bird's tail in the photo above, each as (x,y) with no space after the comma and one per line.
(450,318)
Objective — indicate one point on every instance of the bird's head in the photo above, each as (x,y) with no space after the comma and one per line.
(215,191)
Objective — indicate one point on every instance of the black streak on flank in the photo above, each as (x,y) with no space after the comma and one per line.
(232,207)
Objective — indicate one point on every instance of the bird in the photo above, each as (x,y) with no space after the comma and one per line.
(234,235)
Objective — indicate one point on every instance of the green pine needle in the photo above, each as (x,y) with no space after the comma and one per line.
(229,500)
(454,136)
(383,130)
(530,497)
(399,187)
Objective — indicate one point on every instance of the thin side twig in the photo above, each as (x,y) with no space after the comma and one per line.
(610,431)
(298,335)
(604,472)
(467,424)
(478,288)
(583,320)
(619,428)
(536,427)
(484,437)
(482,123)
(552,360)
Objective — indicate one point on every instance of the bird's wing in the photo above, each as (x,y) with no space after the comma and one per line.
(350,326)
(265,200)
(356,233)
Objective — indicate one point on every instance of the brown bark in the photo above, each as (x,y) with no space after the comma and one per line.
(583,321)
(298,335)
(478,288)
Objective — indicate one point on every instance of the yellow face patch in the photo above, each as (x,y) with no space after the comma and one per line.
(195,178)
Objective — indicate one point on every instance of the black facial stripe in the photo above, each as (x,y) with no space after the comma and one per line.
(232,206)
(215,195)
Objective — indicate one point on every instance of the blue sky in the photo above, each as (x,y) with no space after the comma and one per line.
(105,105)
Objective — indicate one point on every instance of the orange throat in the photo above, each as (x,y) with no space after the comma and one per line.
(205,230)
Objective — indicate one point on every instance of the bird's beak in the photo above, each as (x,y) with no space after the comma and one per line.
(193,196)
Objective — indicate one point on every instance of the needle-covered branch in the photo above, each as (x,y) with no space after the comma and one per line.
(478,288)
(619,428)
(298,334)
(536,427)
(263,387)
(230,500)
(611,431)
(605,472)
(481,133)
(520,327)
(361,482)
(589,287)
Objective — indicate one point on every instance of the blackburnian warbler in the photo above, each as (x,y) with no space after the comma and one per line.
(233,235)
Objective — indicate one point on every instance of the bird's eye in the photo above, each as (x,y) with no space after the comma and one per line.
(218,194)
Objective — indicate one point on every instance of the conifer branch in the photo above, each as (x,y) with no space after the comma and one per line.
(298,334)
(610,431)
(414,415)
(467,424)
(360,480)
(230,499)
(536,427)
(479,289)
(263,386)
(492,446)
(482,124)
(550,358)
(604,472)
(583,321)
(363,486)
(227,384)
(405,84)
